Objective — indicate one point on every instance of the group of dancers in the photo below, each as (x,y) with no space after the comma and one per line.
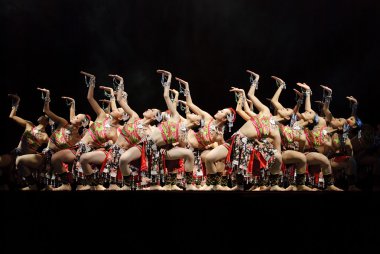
(162,150)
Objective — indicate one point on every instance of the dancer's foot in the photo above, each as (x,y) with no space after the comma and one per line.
(63,187)
(219,187)
(264,188)
(30,188)
(276,188)
(176,188)
(333,188)
(254,188)
(206,188)
(125,188)
(154,187)
(83,187)
(291,188)
(167,187)
(305,188)
(113,187)
(99,187)
(47,188)
(191,187)
(237,188)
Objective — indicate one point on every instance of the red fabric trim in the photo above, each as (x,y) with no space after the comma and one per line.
(228,158)
(144,163)
(341,158)
(108,154)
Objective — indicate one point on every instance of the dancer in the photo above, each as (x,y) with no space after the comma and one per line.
(33,138)
(292,137)
(102,132)
(126,147)
(258,126)
(208,137)
(341,154)
(65,136)
(170,132)
(318,141)
(132,138)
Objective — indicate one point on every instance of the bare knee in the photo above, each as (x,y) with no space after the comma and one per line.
(21,166)
(277,158)
(325,163)
(189,156)
(301,160)
(85,159)
(124,160)
(19,163)
(276,163)
(56,160)
(209,158)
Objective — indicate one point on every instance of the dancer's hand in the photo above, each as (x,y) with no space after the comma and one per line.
(164,72)
(108,89)
(300,95)
(304,86)
(43,90)
(116,77)
(181,81)
(254,74)
(237,90)
(278,80)
(174,91)
(352,99)
(327,89)
(67,98)
(87,74)
(183,102)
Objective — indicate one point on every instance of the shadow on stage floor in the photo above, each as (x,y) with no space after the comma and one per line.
(182,222)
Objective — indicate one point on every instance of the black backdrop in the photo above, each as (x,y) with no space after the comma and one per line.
(208,43)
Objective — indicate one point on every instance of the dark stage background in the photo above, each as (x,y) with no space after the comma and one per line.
(208,43)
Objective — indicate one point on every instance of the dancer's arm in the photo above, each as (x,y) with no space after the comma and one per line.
(72,105)
(248,108)
(57,119)
(281,85)
(109,90)
(166,85)
(190,103)
(90,95)
(239,108)
(348,146)
(176,95)
(106,109)
(299,102)
(307,96)
(354,105)
(187,109)
(251,94)
(123,102)
(250,105)
(326,104)
(12,115)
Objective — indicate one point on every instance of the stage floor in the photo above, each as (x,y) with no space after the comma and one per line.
(180,222)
